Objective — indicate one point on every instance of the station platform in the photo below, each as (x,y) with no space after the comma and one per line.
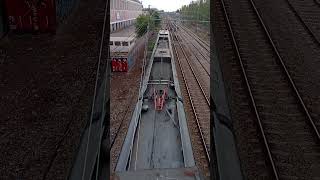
(191,173)
(126,32)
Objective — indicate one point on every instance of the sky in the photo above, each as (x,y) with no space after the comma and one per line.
(166,5)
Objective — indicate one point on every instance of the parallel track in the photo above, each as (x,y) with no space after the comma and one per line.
(201,42)
(200,64)
(289,135)
(203,57)
(197,97)
(119,124)
(306,18)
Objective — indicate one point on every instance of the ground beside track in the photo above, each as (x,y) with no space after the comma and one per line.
(124,96)
(46,87)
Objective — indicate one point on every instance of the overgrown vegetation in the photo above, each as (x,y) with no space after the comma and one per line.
(143,21)
(196,11)
(151,44)
(141,25)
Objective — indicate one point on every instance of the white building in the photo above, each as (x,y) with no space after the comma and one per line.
(123,13)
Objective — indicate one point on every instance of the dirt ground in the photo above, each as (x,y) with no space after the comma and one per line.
(46,87)
(124,95)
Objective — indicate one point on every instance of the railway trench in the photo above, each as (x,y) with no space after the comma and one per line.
(277,137)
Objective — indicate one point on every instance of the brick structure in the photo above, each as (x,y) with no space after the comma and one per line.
(123,13)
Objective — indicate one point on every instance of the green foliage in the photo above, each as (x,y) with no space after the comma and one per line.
(156,19)
(141,25)
(143,21)
(196,11)
(151,45)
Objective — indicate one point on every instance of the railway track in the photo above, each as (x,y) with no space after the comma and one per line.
(200,64)
(199,104)
(201,42)
(119,129)
(298,44)
(202,56)
(204,43)
(285,141)
(119,124)
(308,13)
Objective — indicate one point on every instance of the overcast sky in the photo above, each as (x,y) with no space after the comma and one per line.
(166,5)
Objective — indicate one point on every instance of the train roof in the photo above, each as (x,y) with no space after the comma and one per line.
(163,45)
(125,32)
(122,38)
(186,173)
(162,53)
(163,32)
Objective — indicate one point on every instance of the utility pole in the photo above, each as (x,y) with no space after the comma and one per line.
(147,44)
(198,3)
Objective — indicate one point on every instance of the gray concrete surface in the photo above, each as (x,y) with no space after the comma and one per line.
(226,151)
(126,32)
(161,174)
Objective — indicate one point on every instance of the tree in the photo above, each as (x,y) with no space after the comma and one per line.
(196,11)
(156,19)
(141,25)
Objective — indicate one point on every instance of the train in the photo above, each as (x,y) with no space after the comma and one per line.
(157,143)
(125,51)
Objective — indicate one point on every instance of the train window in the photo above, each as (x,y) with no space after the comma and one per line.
(111,43)
(117,43)
(125,43)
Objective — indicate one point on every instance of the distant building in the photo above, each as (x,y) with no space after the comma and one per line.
(150,9)
(123,13)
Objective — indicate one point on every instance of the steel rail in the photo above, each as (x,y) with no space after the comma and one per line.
(196,77)
(311,121)
(203,66)
(193,72)
(201,42)
(207,58)
(192,105)
(266,144)
(121,122)
(204,44)
(303,23)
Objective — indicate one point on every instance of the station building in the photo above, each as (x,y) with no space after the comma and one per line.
(123,13)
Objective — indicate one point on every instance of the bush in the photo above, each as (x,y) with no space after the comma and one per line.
(196,11)
(141,25)
(143,21)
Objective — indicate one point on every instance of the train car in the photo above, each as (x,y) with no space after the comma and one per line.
(125,51)
(157,144)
